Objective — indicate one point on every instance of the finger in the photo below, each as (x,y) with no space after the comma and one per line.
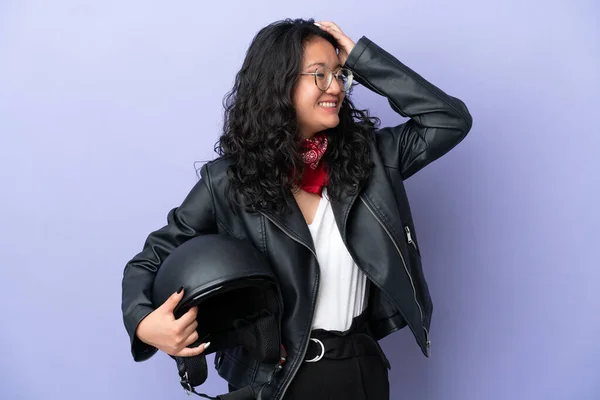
(173,300)
(323,25)
(329,26)
(185,341)
(187,318)
(191,328)
(337,34)
(191,339)
(192,351)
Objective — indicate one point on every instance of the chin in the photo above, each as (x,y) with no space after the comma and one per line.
(324,124)
(331,123)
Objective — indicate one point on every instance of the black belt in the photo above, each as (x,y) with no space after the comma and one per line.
(338,346)
(341,347)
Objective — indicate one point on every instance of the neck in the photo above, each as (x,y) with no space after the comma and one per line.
(309,135)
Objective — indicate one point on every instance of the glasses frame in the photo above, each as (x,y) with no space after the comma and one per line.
(335,75)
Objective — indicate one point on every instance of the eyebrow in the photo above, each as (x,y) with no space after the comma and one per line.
(322,64)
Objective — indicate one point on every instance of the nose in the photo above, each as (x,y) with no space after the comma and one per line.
(334,87)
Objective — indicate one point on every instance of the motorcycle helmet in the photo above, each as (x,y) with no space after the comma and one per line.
(238,299)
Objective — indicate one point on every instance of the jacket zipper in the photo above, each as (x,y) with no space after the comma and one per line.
(409,238)
(427,341)
(305,345)
(287,382)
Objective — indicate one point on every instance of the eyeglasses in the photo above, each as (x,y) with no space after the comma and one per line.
(324,76)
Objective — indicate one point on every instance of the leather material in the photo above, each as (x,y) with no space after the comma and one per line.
(375,226)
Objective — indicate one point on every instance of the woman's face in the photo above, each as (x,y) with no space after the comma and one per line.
(317,110)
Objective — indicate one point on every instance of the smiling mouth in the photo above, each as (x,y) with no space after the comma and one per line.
(328,104)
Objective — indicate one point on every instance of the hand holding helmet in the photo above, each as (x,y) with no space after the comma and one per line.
(232,291)
(161,330)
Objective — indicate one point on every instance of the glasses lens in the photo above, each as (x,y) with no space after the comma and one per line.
(345,79)
(323,77)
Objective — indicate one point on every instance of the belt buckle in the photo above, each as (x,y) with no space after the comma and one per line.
(317,358)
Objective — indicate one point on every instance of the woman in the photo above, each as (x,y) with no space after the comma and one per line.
(311,182)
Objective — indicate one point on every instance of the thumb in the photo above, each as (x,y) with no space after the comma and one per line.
(173,300)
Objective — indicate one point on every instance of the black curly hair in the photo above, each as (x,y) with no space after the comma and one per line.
(260,132)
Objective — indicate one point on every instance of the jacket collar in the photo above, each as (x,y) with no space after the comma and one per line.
(377,192)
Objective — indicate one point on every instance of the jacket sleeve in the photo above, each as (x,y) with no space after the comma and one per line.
(438,122)
(195,216)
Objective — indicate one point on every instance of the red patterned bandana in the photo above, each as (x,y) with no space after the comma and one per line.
(314,177)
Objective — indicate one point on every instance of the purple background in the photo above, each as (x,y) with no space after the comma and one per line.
(105,106)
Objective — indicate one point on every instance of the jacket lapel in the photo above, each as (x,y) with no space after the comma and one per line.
(341,210)
(377,192)
(292,224)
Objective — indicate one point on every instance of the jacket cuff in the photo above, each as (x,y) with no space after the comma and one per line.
(357,51)
(139,350)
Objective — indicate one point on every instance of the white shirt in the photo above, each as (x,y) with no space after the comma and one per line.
(342,286)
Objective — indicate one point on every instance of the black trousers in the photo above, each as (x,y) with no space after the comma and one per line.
(352,367)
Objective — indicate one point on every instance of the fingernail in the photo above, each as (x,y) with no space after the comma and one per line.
(319,25)
(180,289)
(206,345)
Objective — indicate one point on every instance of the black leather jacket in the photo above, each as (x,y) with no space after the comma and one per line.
(376,226)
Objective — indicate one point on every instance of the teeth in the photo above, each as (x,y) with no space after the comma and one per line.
(327,104)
